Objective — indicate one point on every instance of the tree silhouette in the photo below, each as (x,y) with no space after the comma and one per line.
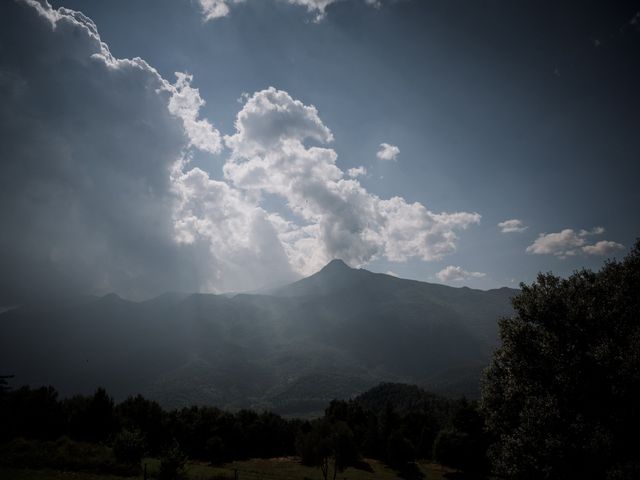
(128,447)
(462,444)
(329,446)
(561,394)
(172,463)
(91,418)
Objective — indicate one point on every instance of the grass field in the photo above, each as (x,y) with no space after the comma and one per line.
(257,469)
(9,473)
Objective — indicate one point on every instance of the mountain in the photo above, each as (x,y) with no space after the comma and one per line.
(334,334)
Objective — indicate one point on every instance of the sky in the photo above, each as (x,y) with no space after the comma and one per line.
(229,145)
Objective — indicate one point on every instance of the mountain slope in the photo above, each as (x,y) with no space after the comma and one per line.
(333,334)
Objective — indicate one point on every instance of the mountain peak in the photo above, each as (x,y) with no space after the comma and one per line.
(111,297)
(336,265)
(334,276)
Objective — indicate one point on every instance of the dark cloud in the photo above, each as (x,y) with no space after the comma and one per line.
(86,146)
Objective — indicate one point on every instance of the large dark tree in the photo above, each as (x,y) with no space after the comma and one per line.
(328,445)
(561,396)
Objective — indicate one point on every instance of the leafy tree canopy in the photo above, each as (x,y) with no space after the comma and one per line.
(561,394)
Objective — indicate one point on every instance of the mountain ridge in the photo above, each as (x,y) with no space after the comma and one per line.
(330,335)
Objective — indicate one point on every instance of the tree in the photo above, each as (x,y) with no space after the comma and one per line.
(462,444)
(399,450)
(172,463)
(32,413)
(561,394)
(128,447)
(91,418)
(328,444)
(146,416)
(214,449)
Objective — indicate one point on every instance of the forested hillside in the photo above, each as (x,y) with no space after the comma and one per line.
(332,335)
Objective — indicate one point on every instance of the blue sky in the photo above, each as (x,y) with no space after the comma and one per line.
(527,112)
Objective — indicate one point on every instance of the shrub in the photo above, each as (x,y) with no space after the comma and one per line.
(128,447)
(172,463)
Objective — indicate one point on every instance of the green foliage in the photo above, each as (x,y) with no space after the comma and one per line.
(463,444)
(399,450)
(215,450)
(63,454)
(398,423)
(560,396)
(91,418)
(146,416)
(329,446)
(33,413)
(397,433)
(172,463)
(448,446)
(128,447)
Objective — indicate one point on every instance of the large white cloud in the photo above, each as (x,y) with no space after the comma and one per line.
(98,194)
(185,102)
(335,217)
(236,236)
(94,188)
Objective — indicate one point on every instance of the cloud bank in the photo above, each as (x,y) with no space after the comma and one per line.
(568,243)
(98,194)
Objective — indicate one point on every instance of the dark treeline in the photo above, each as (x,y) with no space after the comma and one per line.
(39,414)
(393,423)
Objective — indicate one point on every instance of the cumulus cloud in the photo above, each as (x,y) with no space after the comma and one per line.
(213,9)
(388,152)
(272,116)
(94,185)
(334,217)
(512,226)
(456,274)
(185,102)
(233,234)
(98,194)
(603,247)
(568,243)
(357,172)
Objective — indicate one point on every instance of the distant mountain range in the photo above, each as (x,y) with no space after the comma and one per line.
(332,335)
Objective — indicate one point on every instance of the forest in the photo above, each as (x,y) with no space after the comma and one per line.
(394,423)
